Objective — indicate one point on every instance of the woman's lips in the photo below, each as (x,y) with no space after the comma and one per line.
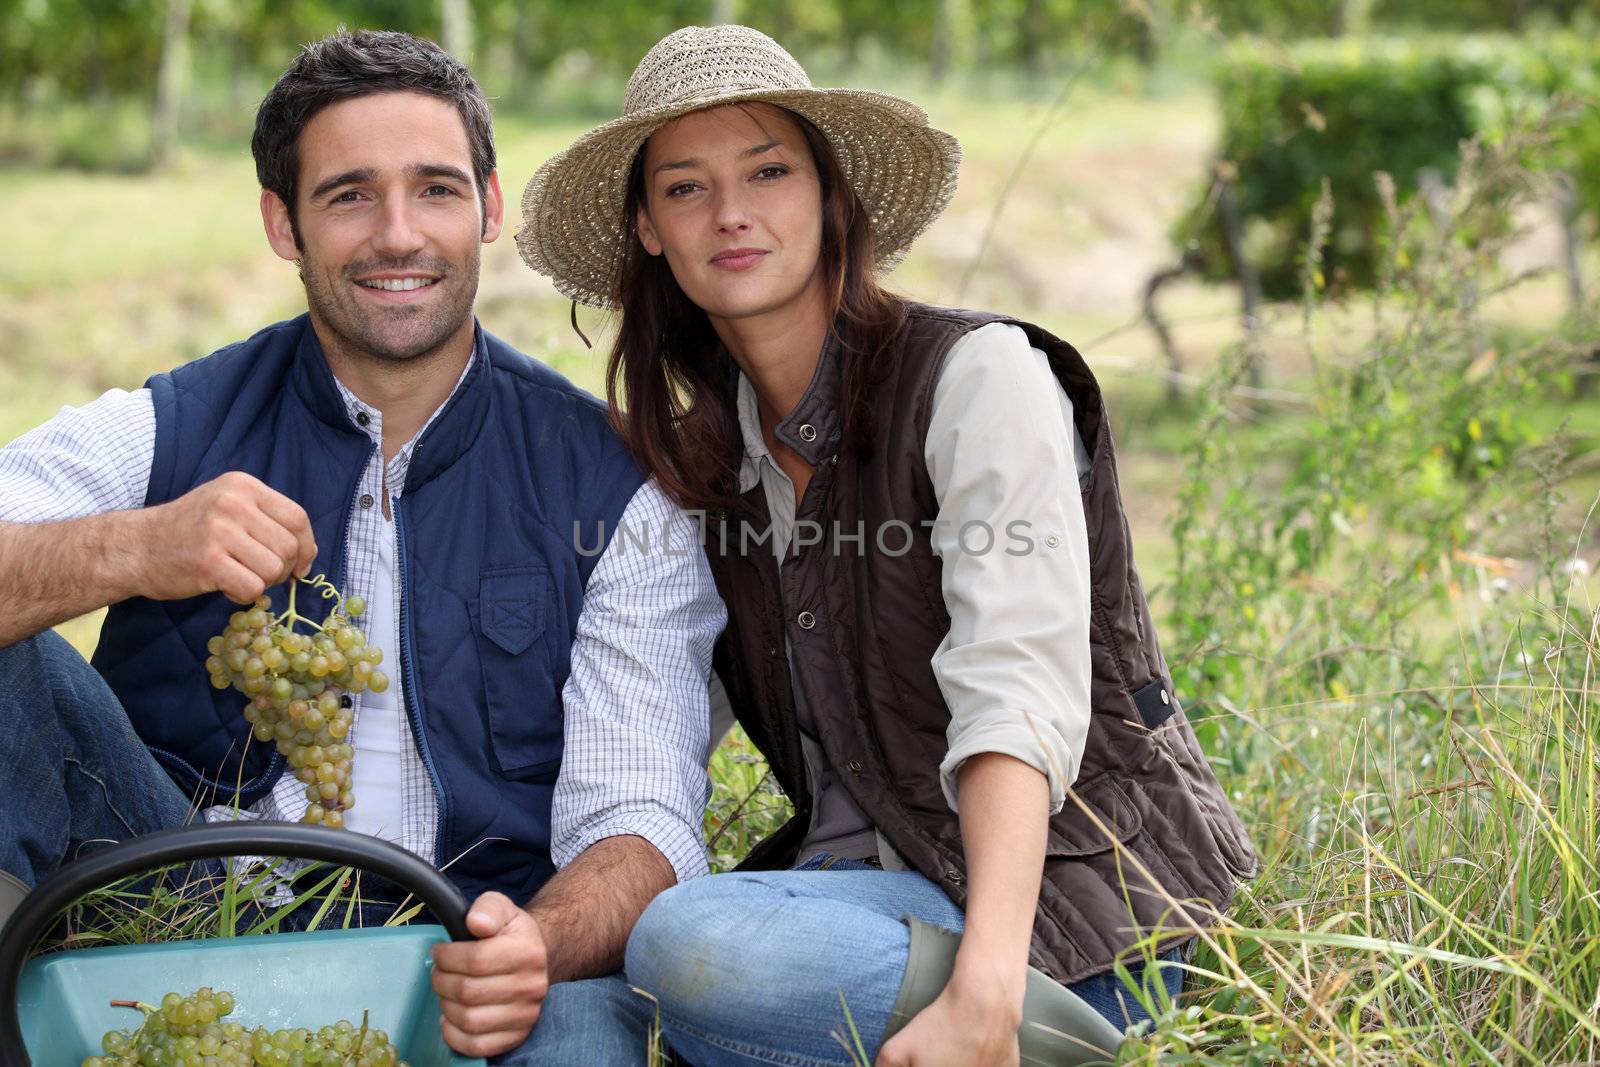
(738,258)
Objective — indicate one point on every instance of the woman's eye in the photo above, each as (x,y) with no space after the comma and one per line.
(681,189)
(772,171)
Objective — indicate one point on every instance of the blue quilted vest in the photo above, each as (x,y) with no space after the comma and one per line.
(492,576)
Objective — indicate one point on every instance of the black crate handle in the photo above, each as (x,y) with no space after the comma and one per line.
(207,841)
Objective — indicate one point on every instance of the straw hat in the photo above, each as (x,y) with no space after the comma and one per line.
(573,228)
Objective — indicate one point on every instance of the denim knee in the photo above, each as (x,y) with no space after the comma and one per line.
(22,664)
(33,669)
(697,935)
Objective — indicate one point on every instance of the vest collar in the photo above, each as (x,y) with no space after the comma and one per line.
(813,429)
(452,429)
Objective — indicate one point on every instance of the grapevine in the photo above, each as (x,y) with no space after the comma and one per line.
(300,686)
(193,1031)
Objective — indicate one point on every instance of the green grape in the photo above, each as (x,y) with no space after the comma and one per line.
(300,686)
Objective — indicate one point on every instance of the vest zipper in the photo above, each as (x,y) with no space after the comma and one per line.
(407,687)
(277,761)
(217,789)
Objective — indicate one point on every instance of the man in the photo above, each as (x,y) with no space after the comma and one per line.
(548,702)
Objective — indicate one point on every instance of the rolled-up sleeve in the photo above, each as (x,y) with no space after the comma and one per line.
(87,460)
(1004,459)
(637,716)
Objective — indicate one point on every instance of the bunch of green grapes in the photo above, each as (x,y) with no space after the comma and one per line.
(191,1032)
(299,685)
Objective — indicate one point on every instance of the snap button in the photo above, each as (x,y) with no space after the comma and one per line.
(363,418)
(366,500)
(1165,699)
(854,766)
(954,875)
(806,620)
(808,432)
(1052,540)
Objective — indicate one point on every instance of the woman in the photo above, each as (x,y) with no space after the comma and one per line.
(935,628)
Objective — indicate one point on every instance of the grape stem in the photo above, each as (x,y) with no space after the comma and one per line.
(321,584)
(361,1039)
(148,1009)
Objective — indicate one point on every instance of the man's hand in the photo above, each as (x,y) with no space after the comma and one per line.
(492,989)
(234,535)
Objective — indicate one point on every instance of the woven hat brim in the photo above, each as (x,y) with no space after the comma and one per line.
(573,229)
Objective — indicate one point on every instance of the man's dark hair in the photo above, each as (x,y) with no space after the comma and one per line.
(350,64)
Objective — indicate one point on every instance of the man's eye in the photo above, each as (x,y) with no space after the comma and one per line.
(349,196)
(440,190)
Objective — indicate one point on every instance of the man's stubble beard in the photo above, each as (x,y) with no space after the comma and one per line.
(360,331)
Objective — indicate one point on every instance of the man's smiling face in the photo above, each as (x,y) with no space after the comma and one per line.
(389,222)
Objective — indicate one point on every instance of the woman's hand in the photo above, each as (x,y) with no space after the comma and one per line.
(967,1026)
(1005,807)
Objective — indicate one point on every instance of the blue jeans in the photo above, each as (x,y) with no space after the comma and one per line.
(751,967)
(74,772)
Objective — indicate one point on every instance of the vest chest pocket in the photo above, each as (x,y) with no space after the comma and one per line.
(519,687)
(1074,834)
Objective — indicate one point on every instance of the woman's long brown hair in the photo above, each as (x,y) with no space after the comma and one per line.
(669,380)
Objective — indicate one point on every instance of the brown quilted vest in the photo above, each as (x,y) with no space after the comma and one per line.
(863,616)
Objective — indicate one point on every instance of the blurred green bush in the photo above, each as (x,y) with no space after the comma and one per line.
(1340,111)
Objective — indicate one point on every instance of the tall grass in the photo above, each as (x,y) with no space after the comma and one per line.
(1397,676)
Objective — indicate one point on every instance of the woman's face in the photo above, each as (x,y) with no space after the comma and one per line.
(732,199)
